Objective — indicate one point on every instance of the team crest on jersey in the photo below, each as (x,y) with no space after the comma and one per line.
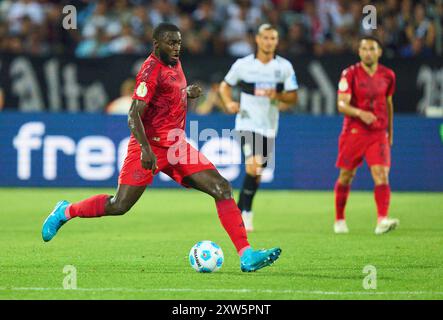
(142,89)
(343,84)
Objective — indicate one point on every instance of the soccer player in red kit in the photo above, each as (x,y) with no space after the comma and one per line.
(156,120)
(365,95)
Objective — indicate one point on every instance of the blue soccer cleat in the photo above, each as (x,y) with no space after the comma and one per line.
(54,221)
(253,260)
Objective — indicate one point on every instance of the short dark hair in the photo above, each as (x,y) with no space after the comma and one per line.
(372,38)
(164,27)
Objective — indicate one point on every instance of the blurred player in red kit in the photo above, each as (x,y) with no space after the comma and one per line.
(365,95)
(157,120)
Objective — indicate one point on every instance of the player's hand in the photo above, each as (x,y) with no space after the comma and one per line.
(367,117)
(149,160)
(194,91)
(233,107)
(271,94)
(391,139)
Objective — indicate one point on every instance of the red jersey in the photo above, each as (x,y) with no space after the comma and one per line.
(163,88)
(368,93)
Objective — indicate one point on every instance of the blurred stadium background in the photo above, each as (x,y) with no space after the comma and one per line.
(63,99)
(58,86)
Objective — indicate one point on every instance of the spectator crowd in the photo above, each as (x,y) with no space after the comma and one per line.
(218,27)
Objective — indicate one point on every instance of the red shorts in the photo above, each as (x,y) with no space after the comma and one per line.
(177,161)
(353,147)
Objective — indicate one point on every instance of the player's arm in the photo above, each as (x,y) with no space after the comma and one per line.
(289,98)
(231,79)
(148,158)
(2,99)
(390,105)
(345,107)
(230,105)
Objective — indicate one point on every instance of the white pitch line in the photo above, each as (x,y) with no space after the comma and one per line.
(270,291)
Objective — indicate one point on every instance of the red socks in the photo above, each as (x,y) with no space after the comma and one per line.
(88,208)
(230,217)
(382,194)
(341,196)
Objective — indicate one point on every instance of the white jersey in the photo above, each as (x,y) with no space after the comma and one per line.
(257,112)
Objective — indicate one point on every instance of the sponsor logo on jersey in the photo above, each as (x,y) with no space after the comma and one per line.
(262,88)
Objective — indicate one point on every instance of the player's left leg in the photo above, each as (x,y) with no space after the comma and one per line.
(92,207)
(258,150)
(254,168)
(382,190)
(378,157)
(382,195)
(212,183)
(131,185)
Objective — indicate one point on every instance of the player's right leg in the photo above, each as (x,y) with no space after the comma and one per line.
(351,149)
(213,184)
(257,149)
(95,206)
(341,190)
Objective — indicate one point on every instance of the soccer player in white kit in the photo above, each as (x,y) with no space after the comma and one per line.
(268,85)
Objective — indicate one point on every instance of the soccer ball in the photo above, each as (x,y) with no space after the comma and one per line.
(206,256)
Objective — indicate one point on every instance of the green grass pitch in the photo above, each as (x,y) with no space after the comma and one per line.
(144,254)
